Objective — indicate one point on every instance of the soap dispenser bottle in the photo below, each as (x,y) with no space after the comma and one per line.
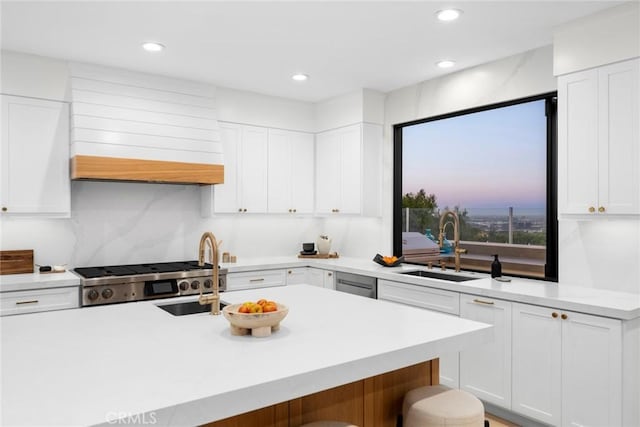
(496,267)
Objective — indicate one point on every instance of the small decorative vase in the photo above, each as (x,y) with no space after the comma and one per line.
(430,236)
(324,245)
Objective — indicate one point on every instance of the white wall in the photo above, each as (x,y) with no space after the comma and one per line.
(602,38)
(526,74)
(601,254)
(115,223)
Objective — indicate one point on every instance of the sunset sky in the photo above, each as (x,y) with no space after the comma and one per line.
(489,159)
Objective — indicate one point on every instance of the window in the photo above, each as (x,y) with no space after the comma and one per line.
(495,167)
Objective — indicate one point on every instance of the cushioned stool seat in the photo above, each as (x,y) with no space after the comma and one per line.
(328,424)
(439,406)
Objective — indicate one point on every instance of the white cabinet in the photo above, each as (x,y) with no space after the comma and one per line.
(35,157)
(256,279)
(598,141)
(485,371)
(297,276)
(290,172)
(349,170)
(321,278)
(20,302)
(245,172)
(567,367)
(430,299)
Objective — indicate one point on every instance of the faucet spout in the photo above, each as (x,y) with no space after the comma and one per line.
(456,235)
(214,298)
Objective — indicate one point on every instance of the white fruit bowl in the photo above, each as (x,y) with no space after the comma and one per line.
(258,324)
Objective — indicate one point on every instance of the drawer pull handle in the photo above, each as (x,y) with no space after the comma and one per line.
(33,301)
(257,280)
(479,301)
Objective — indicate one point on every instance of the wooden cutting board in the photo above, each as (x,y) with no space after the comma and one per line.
(16,262)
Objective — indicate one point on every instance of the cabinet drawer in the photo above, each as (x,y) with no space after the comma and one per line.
(255,279)
(39,300)
(429,298)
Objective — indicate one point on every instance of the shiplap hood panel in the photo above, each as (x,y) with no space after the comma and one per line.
(132,126)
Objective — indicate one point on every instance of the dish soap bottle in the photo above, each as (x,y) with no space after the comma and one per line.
(496,267)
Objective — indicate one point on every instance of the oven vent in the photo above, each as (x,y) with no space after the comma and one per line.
(130,126)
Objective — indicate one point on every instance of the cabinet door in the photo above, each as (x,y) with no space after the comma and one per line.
(302,172)
(536,358)
(485,371)
(350,170)
(35,156)
(315,277)
(619,126)
(329,280)
(297,276)
(253,170)
(328,172)
(279,172)
(578,143)
(591,370)
(225,196)
(290,172)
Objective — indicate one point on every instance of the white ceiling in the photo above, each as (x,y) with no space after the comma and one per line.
(257,46)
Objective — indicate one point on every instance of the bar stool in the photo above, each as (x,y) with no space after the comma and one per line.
(328,424)
(437,406)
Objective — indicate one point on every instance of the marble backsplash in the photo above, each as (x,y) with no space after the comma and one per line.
(121,223)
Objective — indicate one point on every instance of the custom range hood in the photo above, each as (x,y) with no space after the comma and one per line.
(129,126)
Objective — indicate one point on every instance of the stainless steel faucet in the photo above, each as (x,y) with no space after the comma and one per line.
(214,298)
(456,236)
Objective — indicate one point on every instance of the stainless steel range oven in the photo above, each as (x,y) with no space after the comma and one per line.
(136,282)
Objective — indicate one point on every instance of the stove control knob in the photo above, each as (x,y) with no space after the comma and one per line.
(93,295)
(107,293)
(195,285)
(184,286)
(208,283)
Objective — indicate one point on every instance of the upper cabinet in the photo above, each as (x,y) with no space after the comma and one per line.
(290,172)
(245,174)
(349,170)
(35,157)
(598,141)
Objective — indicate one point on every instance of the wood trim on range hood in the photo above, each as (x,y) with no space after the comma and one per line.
(121,169)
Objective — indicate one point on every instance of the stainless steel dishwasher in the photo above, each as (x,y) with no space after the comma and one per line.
(364,286)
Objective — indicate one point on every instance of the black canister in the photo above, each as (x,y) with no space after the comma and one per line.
(496,267)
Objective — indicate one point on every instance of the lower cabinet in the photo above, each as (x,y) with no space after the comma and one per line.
(567,367)
(297,276)
(255,279)
(321,278)
(485,371)
(429,299)
(33,301)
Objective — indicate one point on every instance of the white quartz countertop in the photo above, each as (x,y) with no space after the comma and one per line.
(28,281)
(566,296)
(136,362)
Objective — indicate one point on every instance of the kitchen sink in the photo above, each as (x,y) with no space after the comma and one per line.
(191,307)
(441,276)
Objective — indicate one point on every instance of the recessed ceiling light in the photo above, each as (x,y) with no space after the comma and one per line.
(152,46)
(448,14)
(446,63)
(299,77)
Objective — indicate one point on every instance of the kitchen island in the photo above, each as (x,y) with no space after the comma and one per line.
(135,363)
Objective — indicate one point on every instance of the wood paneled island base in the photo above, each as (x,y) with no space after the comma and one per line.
(371,402)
